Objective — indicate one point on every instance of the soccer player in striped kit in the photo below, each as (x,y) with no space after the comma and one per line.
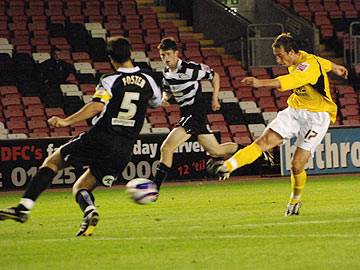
(181,80)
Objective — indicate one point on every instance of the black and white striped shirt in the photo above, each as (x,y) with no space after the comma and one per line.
(184,82)
(126,95)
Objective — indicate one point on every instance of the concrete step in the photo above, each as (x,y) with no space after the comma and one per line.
(144,2)
(206,42)
(327,54)
(198,35)
(338,60)
(178,23)
(322,47)
(186,29)
(159,9)
(168,16)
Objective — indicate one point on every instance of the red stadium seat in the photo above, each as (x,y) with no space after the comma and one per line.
(242,140)
(215,118)
(157,119)
(16,125)
(38,134)
(10,101)
(30,101)
(77,130)
(13,113)
(36,124)
(60,134)
(5,90)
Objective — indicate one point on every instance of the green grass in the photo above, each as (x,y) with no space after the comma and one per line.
(230,225)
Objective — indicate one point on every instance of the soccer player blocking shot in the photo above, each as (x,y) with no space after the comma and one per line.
(308,115)
(119,108)
(181,80)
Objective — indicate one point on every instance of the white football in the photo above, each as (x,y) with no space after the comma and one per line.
(142,190)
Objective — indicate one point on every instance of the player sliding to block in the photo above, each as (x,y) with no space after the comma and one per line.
(310,111)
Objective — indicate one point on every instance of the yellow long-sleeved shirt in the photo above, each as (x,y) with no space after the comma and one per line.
(310,85)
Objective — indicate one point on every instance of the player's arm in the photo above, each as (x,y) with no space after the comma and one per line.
(155,100)
(305,73)
(204,72)
(253,82)
(215,104)
(166,94)
(339,70)
(164,100)
(328,66)
(101,97)
(89,110)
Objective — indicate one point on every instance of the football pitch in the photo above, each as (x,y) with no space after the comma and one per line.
(209,225)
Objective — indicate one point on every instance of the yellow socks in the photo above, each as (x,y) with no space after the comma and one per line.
(297,186)
(243,157)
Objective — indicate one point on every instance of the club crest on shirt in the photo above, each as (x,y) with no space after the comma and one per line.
(302,66)
(205,67)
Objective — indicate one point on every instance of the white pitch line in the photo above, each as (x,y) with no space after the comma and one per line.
(296,222)
(165,238)
(214,237)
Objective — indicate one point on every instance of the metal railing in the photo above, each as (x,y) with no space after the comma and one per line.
(259,40)
(354,46)
(223,25)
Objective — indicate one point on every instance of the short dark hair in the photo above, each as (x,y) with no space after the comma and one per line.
(55,49)
(286,41)
(119,49)
(168,43)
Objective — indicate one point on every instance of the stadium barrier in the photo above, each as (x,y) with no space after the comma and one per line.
(306,33)
(354,44)
(260,38)
(339,152)
(220,23)
(21,158)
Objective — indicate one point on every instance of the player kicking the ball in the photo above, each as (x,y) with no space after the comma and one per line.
(119,104)
(310,111)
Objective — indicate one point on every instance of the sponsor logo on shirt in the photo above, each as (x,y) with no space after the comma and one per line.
(302,66)
(300,91)
(184,76)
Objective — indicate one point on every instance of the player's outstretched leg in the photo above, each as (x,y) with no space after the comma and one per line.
(18,213)
(37,185)
(216,168)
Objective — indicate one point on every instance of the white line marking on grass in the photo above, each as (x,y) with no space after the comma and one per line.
(295,222)
(214,237)
(167,238)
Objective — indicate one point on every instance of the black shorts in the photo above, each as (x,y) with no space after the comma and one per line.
(105,155)
(193,118)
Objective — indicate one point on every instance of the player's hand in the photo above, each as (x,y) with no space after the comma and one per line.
(215,104)
(341,71)
(251,81)
(58,122)
(164,103)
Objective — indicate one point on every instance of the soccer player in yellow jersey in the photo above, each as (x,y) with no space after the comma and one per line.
(308,116)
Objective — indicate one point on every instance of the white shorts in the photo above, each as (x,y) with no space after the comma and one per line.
(308,127)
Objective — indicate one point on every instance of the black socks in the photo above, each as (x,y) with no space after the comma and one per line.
(39,183)
(84,198)
(162,172)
